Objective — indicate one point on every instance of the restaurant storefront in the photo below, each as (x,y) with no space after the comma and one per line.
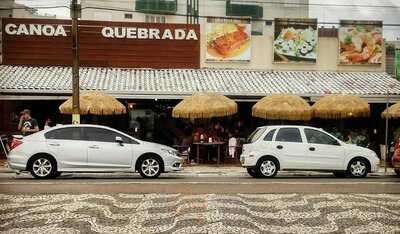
(151,67)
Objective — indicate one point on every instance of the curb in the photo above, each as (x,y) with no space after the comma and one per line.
(236,173)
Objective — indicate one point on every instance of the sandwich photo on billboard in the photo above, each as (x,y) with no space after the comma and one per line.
(360,42)
(228,42)
(295,40)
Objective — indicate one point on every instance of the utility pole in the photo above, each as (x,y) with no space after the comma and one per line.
(75,14)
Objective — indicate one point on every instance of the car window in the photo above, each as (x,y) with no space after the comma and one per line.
(255,135)
(270,135)
(317,137)
(288,135)
(104,135)
(71,133)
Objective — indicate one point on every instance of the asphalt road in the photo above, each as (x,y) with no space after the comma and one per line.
(177,183)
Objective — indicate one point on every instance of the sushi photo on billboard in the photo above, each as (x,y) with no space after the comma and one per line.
(295,40)
(397,61)
(360,42)
(228,42)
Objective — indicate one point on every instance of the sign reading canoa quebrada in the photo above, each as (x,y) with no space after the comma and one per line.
(101,43)
(109,32)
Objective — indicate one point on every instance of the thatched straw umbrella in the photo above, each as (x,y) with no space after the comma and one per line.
(393,112)
(282,107)
(204,106)
(95,103)
(338,106)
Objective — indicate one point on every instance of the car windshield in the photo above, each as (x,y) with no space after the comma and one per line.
(255,135)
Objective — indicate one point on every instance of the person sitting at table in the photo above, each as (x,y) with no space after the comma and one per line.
(219,131)
(200,135)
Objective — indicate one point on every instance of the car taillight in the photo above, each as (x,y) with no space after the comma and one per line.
(15,143)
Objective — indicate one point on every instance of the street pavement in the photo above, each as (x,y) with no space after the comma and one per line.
(205,201)
(204,213)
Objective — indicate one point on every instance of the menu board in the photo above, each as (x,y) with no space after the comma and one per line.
(360,42)
(228,42)
(295,40)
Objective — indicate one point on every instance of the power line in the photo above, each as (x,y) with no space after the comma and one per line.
(290,3)
(29,8)
(180,15)
(314,4)
(220,17)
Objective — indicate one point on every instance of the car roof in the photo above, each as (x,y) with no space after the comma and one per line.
(289,126)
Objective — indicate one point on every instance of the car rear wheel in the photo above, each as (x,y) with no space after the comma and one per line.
(43,167)
(150,167)
(397,171)
(358,168)
(267,167)
(252,172)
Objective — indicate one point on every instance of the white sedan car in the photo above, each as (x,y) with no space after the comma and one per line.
(274,148)
(89,148)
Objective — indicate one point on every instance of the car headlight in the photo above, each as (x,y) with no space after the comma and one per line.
(171,152)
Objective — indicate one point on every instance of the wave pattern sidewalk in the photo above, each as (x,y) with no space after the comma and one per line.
(210,213)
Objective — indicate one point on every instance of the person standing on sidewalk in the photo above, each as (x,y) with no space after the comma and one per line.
(27,125)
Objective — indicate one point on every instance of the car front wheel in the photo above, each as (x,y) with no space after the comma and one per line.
(43,167)
(150,167)
(358,168)
(267,167)
(397,171)
(252,172)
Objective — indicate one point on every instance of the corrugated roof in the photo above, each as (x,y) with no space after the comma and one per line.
(118,81)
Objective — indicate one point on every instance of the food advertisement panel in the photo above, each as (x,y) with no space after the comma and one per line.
(295,40)
(228,42)
(360,42)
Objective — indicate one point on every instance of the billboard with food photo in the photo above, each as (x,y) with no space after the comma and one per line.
(295,40)
(228,42)
(360,42)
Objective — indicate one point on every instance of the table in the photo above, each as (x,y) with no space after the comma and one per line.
(216,143)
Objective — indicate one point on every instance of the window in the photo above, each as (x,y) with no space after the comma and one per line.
(128,16)
(255,135)
(288,135)
(155,19)
(104,135)
(270,135)
(317,137)
(71,133)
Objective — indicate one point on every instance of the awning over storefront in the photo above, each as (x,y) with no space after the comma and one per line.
(29,82)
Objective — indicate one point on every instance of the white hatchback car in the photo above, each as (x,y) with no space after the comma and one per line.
(90,148)
(274,148)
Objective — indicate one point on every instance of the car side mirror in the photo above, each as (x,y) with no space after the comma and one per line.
(119,140)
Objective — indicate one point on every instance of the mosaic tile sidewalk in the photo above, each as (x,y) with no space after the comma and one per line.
(209,213)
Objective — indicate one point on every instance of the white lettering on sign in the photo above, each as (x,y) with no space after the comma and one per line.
(35,29)
(108,32)
(148,33)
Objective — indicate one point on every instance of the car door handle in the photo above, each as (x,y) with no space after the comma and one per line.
(279,147)
(94,147)
(54,144)
(312,148)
